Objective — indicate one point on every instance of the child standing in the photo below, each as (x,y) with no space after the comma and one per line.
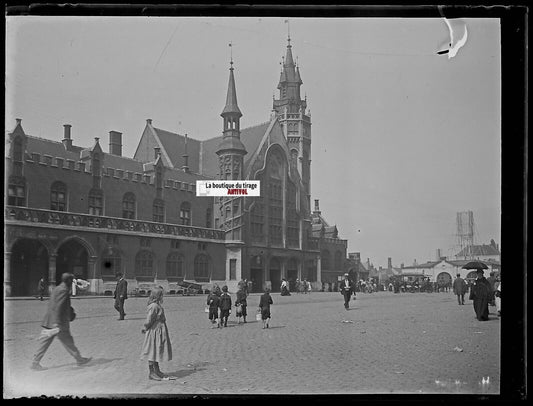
(225,306)
(156,339)
(264,306)
(213,302)
(241,300)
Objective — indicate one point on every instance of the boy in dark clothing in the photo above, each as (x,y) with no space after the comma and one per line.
(264,305)
(213,301)
(225,306)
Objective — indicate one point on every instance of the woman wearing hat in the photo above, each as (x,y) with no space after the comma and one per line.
(481,293)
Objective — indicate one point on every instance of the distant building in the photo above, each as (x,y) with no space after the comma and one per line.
(484,252)
(444,271)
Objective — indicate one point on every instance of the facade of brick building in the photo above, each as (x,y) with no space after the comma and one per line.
(94,213)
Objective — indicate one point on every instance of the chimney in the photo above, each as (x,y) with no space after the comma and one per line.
(389,263)
(149,121)
(438,254)
(401,265)
(115,143)
(185,166)
(67,141)
(18,120)
(317,210)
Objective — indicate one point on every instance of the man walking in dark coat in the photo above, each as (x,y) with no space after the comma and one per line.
(459,289)
(121,294)
(56,322)
(492,281)
(480,293)
(346,288)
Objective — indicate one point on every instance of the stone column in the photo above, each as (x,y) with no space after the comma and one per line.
(318,271)
(52,261)
(91,275)
(7,274)
(283,270)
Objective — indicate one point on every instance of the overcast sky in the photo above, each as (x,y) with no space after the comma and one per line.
(403,138)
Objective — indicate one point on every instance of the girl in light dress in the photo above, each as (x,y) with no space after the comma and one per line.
(156,346)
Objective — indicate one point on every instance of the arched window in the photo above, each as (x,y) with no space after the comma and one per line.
(175,265)
(276,174)
(293,223)
(201,268)
(208,217)
(58,196)
(185,214)
(96,202)
(257,221)
(144,265)
(159,211)
(128,206)
(16,191)
(325,260)
(111,263)
(338,261)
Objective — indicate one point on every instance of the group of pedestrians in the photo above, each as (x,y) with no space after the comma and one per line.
(483,292)
(219,304)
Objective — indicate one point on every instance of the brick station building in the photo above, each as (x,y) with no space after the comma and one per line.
(93,213)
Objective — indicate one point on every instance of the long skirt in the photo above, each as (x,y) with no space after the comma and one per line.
(157,346)
(481,307)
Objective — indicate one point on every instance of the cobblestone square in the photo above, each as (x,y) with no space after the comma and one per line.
(386,343)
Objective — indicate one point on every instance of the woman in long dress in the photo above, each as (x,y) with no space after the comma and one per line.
(156,346)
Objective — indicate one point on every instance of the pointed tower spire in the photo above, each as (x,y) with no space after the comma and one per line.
(231,97)
(231,119)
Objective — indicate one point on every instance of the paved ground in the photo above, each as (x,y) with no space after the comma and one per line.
(386,343)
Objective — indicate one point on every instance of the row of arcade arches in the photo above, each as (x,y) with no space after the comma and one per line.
(31,259)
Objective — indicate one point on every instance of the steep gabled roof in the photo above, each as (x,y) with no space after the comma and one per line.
(174,147)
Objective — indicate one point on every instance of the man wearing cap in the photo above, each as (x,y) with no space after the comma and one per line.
(56,322)
(121,294)
(459,289)
(480,293)
(346,288)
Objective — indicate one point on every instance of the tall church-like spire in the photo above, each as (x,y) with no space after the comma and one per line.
(289,84)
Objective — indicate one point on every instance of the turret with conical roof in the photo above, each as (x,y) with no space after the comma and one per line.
(231,153)
(231,141)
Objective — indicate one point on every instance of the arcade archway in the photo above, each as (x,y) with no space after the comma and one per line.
(72,257)
(275,274)
(29,263)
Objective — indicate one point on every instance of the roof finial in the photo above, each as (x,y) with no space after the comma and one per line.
(288,32)
(231,54)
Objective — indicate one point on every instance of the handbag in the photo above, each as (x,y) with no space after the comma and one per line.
(238,310)
(206,309)
(258,315)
